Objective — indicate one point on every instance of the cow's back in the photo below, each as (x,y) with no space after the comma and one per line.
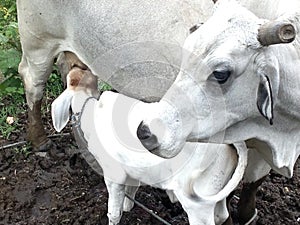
(271,9)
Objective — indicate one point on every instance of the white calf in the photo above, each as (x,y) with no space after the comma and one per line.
(201,176)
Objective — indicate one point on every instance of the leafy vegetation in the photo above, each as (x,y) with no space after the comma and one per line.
(9,121)
(10,49)
(9,37)
(11,88)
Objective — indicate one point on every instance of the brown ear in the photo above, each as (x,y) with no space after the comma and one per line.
(74,77)
(74,81)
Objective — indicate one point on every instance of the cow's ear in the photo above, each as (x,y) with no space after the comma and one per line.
(265,98)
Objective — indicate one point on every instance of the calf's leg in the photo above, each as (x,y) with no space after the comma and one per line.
(130,191)
(199,212)
(222,211)
(116,195)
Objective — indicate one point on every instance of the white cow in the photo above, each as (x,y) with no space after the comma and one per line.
(238,81)
(124,43)
(135,46)
(201,176)
(254,78)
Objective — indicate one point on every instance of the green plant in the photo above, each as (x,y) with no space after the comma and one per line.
(9,37)
(10,107)
(104,86)
(11,87)
(10,50)
(54,85)
(54,88)
(24,150)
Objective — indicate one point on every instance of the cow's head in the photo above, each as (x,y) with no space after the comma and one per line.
(229,75)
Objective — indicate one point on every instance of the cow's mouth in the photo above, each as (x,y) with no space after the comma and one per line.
(148,140)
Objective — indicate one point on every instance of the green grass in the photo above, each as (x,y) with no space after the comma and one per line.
(104,86)
(24,150)
(11,106)
(54,88)
(11,87)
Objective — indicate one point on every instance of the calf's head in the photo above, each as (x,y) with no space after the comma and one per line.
(229,74)
(81,84)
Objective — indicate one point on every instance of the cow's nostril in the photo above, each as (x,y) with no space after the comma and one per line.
(143,131)
(148,140)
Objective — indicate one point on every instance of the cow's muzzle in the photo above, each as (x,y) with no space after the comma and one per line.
(148,140)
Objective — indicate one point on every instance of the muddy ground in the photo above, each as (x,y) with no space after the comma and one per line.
(61,189)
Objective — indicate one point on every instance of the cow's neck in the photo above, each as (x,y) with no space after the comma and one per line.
(287,101)
(278,144)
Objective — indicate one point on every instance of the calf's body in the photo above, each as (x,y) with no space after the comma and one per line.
(201,176)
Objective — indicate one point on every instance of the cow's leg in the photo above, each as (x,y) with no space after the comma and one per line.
(172,196)
(222,212)
(35,72)
(203,214)
(255,174)
(116,195)
(199,212)
(247,202)
(130,191)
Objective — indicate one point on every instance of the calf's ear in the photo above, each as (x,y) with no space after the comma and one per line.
(60,110)
(265,98)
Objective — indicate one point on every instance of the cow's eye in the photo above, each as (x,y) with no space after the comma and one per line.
(222,76)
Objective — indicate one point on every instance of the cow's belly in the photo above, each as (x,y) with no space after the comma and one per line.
(135,46)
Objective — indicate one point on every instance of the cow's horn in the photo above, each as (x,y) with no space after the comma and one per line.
(276,32)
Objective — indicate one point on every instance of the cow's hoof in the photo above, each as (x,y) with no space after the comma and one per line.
(44,146)
(228,221)
(56,153)
(253,219)
(127,205)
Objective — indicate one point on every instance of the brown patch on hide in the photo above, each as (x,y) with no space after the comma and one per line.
(79,79)
(75,77)
(74,82)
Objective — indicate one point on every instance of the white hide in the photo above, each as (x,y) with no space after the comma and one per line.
(124,43)
(134,46)
(227,113)
(201,176)
(116,118)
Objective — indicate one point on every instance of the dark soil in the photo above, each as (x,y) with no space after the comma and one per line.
(61,189)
